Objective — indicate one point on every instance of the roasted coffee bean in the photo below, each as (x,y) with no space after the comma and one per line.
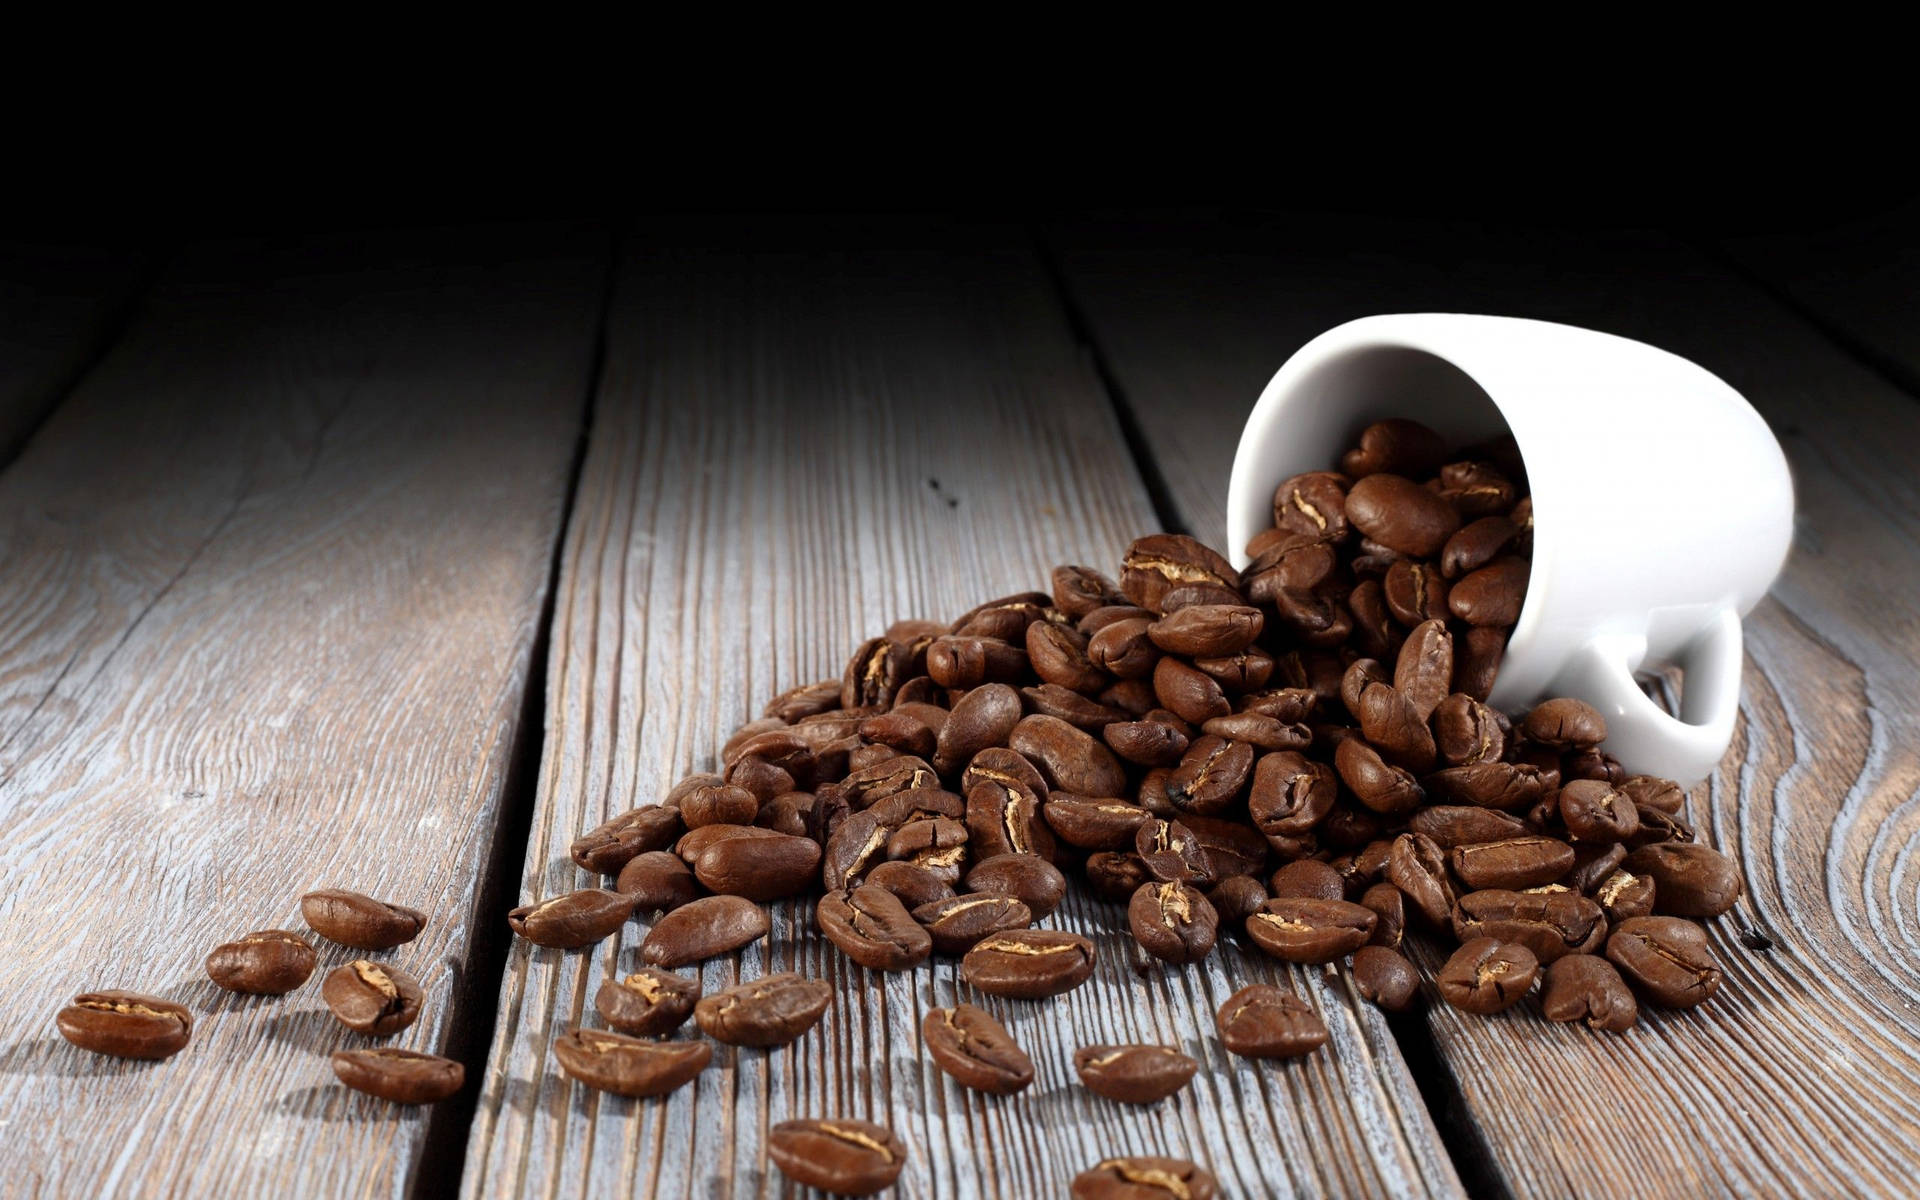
(1418,867)
(785,813)
(1261,1021)
(1666,958)
(1491,595)
(1347,827)
(1689,880)
(1467,731)
(1172,853)
(1290,794)
(1389,905)
(1585,987)
(1108,614)
(1028,878)
(761,780)
(1397,445)
(1310,931)
(657,881)
(361,922)
(807,700)
(1592,764)
(911,885)
(1028,964)
(1152,794)
(125,1024)
(1073,708)
(1003,817)
(576,919)
(724,804)
(629,1066)
(1401,515)
(857,846)
(918,804)
(1160,562)
(1260,731)
(762,869)
(1624,895)
(1374,782)
(1592,864)
(1173,922)
(1149,743)
(731,751)
(1192,694)
(1078,591)
(696,842)
(781,750)
(1124,649)
(868,786)
(873,674)
(1565,724)
(903,732)
(1550,924)
(985,717)
(619,841)
(1650,791)
(1314,504)
(1476,544)
(1374,633)
(1307,879)
(1657,826)
(1396,729)
(270,962)
(370,997)
(1487,976)
(700,930)
(1207,630)
(1594,811)
(968,1044)
(1058,654)
(936,844)
(966,662)
(1415,592)
(1476,660)
(1451,825)
(1135,1074)
(1385,977)
(1144,1177)
(648,1003)
(1116,876)
(770,1011)
(1502,785)
(1211,776)
(872,927)
(1423,673)
(1514,863)
(1094,824)
(1236,898)
(841,1156)
(401,1076)
(1069,759)
(956,924)
(1231,847)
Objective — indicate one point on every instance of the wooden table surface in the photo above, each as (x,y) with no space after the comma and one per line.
(396,562)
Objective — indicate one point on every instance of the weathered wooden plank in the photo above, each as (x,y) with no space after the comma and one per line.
(790,450)
(1800,1077)
(57,306)
(273,574)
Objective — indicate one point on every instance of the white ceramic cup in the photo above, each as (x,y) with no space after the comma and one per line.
(1662,505)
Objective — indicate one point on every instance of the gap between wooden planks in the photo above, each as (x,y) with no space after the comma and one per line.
(790,451)
(272,576)
(1802,1077)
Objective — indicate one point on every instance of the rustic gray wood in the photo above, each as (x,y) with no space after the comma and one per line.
(57,305)
(1800,1077)
(791,450)
(271,581)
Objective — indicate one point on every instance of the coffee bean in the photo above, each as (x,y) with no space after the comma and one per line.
(1592,864)
(1689,880)
(1229,847)
(1502,785)
(900,731)
(1565,724)
(841,1156)
(1401,515)
(1476,660)
(1624,895)
(1211,775)
(771,1011)
(1418,868)
(657,881)
(872,927)
(807,700)
(1649,791)
(1290,794)
(983,718)
(787,750)
(1385,977)
(1028,964)
(1397,445)
(1595,811)
(1307,879)
(1666,959)
(1310,931)
(1058,654)
(869,785)
(1476,544)
(1068,759)
(965,662)
(1191,694)
(1395,728)
(968,1044)
(615,843)
(270,962)
(1134,1074)
(1173,922)
(1549,924)
(1115,877)
(1451,825)
(1423,672)
(1028,878)
(762,869)
(1657,826)
(1205,630)
(401,1076)
(361,922)
(705,928)
(1389,905)
(1491,595)
(935,844)
(629,1066)
(911,885)
(1584,987)
(1172,853)
(1314,504)
(1415,593)
(858,845)
(1156,564)
(1376,783)
(648,1003)
(1005,618)
(1234,899)
(1514,863)
(576,919)
(1261,1021)
(956,924)
(1260,731)
(873,674)
(125,1024)
(370,997)
(1148,743)
(1466,731)
(1487,976)
(758,778)
(1144,1177)
(1078,591)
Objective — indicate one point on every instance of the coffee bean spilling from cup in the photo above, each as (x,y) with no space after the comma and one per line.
(1301,754)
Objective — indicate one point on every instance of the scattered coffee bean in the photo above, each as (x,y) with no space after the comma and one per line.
(762,869)
(1549,924)
(1666,958)
(1028,964)
(658,882)
(956,925)
(844,1157)
(1144,1177)
(1624,895)
(968,1044)
(871,926)
(771,1011)
(1262,1021)
(1133,1074)
(911,885)
(401,1076)
(361,922)
(1310,931)
(705,928)
(125,1024)
(1173,922)
(1487,976)
(373,998)
(270,962)
(612,845)
(648,1003)
(1385,977)
(629,1066)
(1028,878)
(1584,987)
(576,919)
(1689,880)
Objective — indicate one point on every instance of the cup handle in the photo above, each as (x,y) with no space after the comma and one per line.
(1643,736)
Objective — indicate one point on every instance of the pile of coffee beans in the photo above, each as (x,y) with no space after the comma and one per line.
(1301,753)
(375,999)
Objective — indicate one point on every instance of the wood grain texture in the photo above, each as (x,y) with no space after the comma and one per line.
(1800,1077)
(272,578)
(57,306)
(791,450)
